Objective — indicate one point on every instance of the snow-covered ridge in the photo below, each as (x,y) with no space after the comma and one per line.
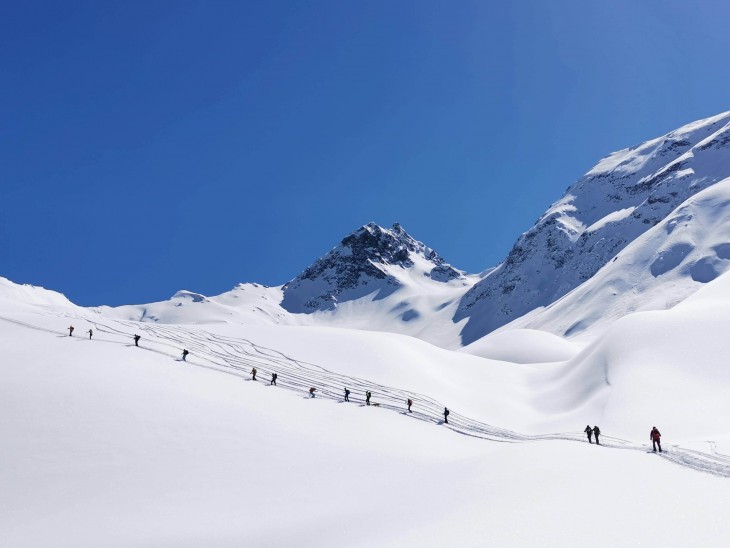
(622,197)
(31,294)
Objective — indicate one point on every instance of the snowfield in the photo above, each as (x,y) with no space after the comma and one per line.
(111,445)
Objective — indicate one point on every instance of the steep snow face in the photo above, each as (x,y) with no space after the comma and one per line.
(363,264)
(622,197)
(661,268)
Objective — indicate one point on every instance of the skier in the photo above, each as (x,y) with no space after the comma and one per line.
(655,438)
(136,340)
(273,379)
(596,433)
(589,431)
(253,374)
(185,355)
(347,395)
(70,330)
(90,332)
(367,397)
(409,402)
(311,392)
(446,415)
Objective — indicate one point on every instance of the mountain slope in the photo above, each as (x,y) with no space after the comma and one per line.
(622,197)
(660,269)
(106,444)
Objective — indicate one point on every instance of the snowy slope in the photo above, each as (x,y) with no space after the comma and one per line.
(617,201)
(661,268)
(111,445)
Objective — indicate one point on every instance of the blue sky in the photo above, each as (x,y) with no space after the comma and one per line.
(147,147)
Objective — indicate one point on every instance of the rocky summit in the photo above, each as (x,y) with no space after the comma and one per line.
(361,264)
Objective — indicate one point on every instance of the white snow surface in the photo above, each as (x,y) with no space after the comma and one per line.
(106,444)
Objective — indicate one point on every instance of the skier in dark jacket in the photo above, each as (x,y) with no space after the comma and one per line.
(70,330)
(367,397)
(409,403)
(90,332)
(446,415)
(589,431)
(655,438)
(311,392)
(596,433)
(185,355)
(253,373)
(136,340)
(347,395)
(273,379)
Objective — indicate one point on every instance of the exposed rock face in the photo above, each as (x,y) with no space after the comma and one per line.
(622,197)
(368,260)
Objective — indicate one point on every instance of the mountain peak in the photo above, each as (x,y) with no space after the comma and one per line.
(366,261)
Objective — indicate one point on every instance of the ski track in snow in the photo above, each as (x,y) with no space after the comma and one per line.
(237,356)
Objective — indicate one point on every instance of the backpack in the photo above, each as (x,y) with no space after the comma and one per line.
(446,412)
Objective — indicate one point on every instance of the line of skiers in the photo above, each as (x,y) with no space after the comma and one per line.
(595,432)
(368,394)
(136,338)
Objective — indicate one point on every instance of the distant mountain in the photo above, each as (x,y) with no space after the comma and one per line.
(375,279)
(370,260)
(621,198)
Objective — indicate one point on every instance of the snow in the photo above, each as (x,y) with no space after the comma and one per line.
(111,445)
(523,346)
(613,217)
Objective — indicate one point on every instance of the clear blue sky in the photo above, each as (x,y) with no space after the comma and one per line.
(147,147)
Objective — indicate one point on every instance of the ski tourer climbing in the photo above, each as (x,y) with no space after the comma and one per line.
(253,374)
(347,395)
(589,431)
(655,437)
(367,397)
(311,392)
(273,379)
(409,403)
(70,330)
(136,340)
(185,355)
(90,332)
(596,433)
(446,415)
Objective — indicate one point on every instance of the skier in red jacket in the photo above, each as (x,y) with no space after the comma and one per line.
(655,437)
